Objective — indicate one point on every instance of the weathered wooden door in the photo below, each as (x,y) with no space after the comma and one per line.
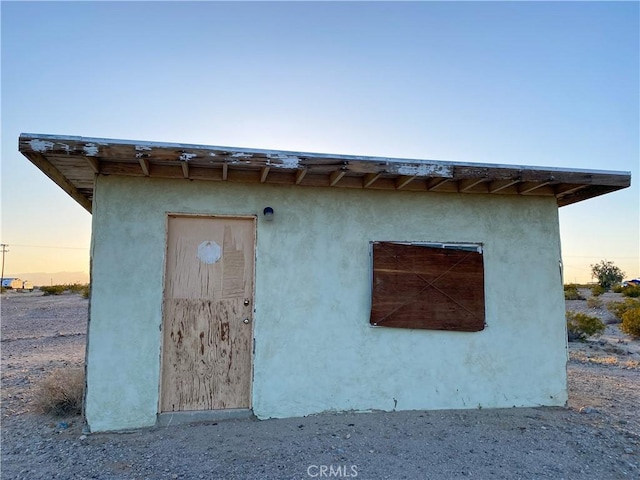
(208,322)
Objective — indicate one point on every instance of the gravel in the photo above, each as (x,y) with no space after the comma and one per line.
(597,436)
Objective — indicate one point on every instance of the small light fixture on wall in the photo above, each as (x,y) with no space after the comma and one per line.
(268,213)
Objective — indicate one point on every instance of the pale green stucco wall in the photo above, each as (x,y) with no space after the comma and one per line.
(314,348)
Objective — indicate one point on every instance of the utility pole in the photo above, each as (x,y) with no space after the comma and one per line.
(4,250)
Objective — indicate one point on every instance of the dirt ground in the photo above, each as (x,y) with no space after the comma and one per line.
(596,437)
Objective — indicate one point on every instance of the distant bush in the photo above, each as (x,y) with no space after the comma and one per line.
(580,326)
(619,308)
(54,289)
(86,291)
(75,287)
(631,291)
(60,393)
(631,321)
(617,289)
(60,289)
(594,302)
(607,274)
(597,290)
(571,292)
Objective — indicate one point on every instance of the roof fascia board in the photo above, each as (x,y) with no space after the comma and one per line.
(411,164)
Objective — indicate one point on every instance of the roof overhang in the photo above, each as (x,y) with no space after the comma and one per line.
(73,163)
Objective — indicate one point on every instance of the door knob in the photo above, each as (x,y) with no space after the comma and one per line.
(245,321)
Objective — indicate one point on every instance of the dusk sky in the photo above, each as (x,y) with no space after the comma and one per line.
(526,83)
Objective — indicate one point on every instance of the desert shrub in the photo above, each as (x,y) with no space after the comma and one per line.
(607,274)
(60,392)
(53,289)
(617,289)
(70,287)
(75,287)
(86,291)
(581,326)
(571,292)
(597,290)
(594,302)
(631,291)
(631,321)
(619,308)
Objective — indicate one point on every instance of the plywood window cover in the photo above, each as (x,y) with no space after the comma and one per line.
(73,162)
(435,286)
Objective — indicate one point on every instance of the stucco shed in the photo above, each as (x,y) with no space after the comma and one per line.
(284,284)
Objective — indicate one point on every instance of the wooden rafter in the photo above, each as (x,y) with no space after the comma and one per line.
(404,180)
(499,185)
(528,187)
(370,178)
(225,171)
(567,189)
(93,163)
(185,168)
(264,172)
(436,183)
(468,183)
(335,177)
(144,164)
(300,174)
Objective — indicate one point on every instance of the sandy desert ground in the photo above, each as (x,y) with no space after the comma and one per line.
(597,436)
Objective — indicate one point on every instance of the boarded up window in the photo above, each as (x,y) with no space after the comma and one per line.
(437,287)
